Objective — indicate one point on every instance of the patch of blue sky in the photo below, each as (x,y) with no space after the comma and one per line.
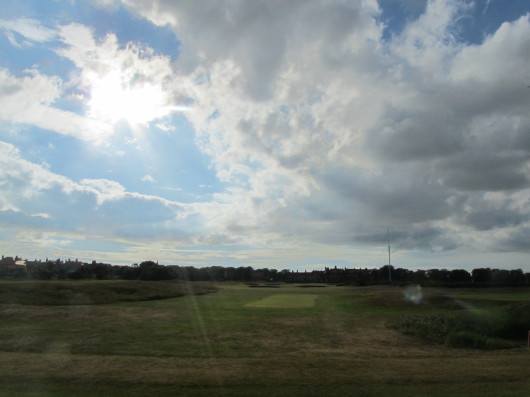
(488,15)
(395,14)
(480,19)
(28,8)
(176,168)
(103,20)
(180,169)
(62,154)
(34,55)
(74,159)
(126,27)
(39,57)
(215,115)
(70,103)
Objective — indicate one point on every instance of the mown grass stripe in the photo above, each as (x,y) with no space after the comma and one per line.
(285,301)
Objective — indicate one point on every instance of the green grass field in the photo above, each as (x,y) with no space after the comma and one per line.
(285,301)
(241,341)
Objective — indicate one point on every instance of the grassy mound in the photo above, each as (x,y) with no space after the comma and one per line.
(58,293)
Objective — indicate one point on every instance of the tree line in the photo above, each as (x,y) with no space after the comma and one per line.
(152,271)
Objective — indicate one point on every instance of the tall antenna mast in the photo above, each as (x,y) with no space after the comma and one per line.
(388,239)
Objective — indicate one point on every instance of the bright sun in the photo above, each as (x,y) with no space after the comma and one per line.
(114,98)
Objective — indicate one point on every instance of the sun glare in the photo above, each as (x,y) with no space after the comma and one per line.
(115,98)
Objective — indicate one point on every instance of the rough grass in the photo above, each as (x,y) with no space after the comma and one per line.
(455,330)
(496,325)
(53,293)
(494,294)
(203,345)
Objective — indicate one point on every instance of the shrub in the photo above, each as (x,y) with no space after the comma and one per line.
(517,322)
(431,328)
(478,329)
(466,339)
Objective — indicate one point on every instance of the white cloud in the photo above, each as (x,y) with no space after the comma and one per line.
(31,30)
(509,42)
(104,188)
(29,100)
(148,178)
(323,132)
(120,83)
(112,83)
(327,132)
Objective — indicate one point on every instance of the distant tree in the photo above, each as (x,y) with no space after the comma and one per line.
(102,271)
(272,275)
(150,270)
(419,276)
(215,273)
(402,275)
(459,276)
(481,275)
(500,277)
(20,272)
(42,271)
(129,272)
(438,276)
(191,273)
(283,275)
(516,277)
(382,275)
(244,273)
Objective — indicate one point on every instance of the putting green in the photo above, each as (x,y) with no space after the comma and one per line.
(285,301)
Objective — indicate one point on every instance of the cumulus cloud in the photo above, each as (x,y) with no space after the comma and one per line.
(110,83)
(119,83)
(29,31)
(29,99)
(329,133)
(323,129)
(148,178)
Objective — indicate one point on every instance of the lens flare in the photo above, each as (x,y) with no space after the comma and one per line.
(413,294)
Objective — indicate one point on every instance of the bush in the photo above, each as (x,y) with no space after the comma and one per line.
(517,322)
(479,329)
(431,328)
(466,339)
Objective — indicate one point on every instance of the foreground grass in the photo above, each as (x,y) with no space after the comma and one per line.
(214,344)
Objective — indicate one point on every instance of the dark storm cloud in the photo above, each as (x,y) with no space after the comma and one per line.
(518,241)
(425,239)
(491,171)
(486,219)
(403,193)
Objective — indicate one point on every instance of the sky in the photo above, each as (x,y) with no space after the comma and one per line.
(283,134)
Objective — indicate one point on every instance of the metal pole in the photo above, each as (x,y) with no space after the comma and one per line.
(388,238)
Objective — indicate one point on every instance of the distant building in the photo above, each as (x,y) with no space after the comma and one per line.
(306,277)
(10,266)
